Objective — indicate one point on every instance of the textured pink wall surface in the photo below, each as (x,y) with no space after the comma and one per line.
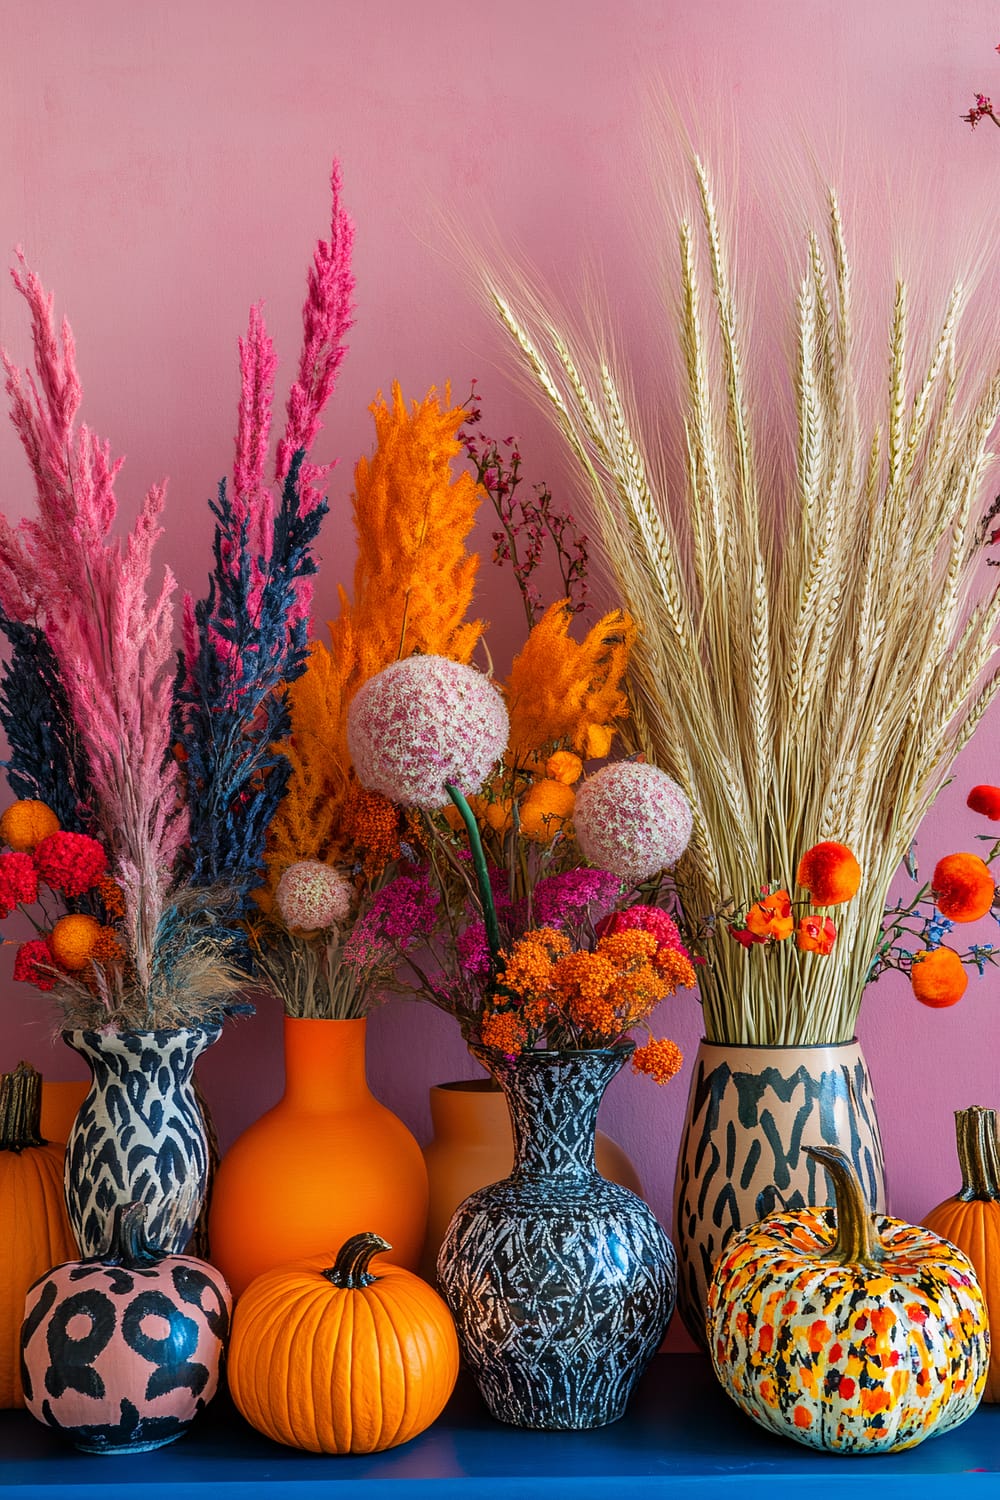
(164,167)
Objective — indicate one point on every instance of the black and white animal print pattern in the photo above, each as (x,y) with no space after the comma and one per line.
(139,1135)
(751,1111)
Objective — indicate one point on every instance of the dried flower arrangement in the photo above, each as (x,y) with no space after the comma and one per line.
(397,671)
(170,767)
(545,959)
(798,682)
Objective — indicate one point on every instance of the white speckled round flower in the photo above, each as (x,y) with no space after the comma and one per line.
(423,722)
(632,819)
(311,895)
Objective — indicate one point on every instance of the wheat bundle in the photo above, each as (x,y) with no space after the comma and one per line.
(808,665)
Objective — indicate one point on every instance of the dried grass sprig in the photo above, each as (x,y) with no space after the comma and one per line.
(307,976)
(817,634)
(193,977)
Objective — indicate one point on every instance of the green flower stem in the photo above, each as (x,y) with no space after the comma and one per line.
(482,876)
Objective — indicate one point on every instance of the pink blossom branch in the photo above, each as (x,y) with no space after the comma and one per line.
(258,364)
(326,317)
(982,109)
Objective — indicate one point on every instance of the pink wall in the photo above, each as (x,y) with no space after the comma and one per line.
(166,166)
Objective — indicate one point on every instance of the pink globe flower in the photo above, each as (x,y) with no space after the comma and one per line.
(311,895)
(423,722)
(633,819)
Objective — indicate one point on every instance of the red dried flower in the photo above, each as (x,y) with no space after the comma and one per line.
(963,887)
(32,963)
(646,919)
(815,934)
(744,936)
(771,917)
(70,862)
(18,881)
(986,800)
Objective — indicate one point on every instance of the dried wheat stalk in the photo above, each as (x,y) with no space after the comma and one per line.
(809,665)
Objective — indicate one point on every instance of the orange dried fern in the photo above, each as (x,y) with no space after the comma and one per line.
(414,577)
(413,587)
(566,692)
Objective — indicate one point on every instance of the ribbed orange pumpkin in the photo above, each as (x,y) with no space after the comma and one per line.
(35,1228)
(336,1359)
(971,1219)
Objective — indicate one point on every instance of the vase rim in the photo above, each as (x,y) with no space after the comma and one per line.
(109,1033)
(468,1086)
(548,1054)
(850,1041)
(326,1020)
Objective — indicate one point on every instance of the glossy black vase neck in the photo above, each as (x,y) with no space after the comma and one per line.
(553,1098)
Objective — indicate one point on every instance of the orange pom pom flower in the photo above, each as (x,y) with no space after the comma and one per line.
(73,939)
(830,873)
(660,1059)
(564,766)
(25,823)
(985,799)
(963,887)
(938,977)
(544,811)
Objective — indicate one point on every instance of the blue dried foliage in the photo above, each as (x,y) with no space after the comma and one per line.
(231,714)
(46,759)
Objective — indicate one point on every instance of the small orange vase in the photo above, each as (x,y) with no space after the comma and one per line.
(473,1145)
(61,1100)
(327,1162)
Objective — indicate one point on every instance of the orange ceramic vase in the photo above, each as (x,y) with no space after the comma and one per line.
(327,1162)
(61,1100)
(473,1145)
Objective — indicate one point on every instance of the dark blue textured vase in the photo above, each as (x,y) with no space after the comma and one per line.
(139,1136)
(561,1283)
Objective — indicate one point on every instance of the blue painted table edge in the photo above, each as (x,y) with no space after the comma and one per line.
(680,1436)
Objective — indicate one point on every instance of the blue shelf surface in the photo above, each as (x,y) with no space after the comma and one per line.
(681,1436)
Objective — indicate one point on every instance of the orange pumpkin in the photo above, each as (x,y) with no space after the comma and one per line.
(971,1219)
(337,1359)
(36,1232)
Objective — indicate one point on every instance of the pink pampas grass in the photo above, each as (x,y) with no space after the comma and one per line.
(88,590)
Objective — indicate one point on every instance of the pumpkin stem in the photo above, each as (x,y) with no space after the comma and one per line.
(979,1158)
(857,1242)
(350,1269)
(127,1243)
(21,1109)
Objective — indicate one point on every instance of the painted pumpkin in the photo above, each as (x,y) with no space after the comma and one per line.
(36,1231)
(338,1359)
(121,1352)
(848,1330)
(971,1219)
